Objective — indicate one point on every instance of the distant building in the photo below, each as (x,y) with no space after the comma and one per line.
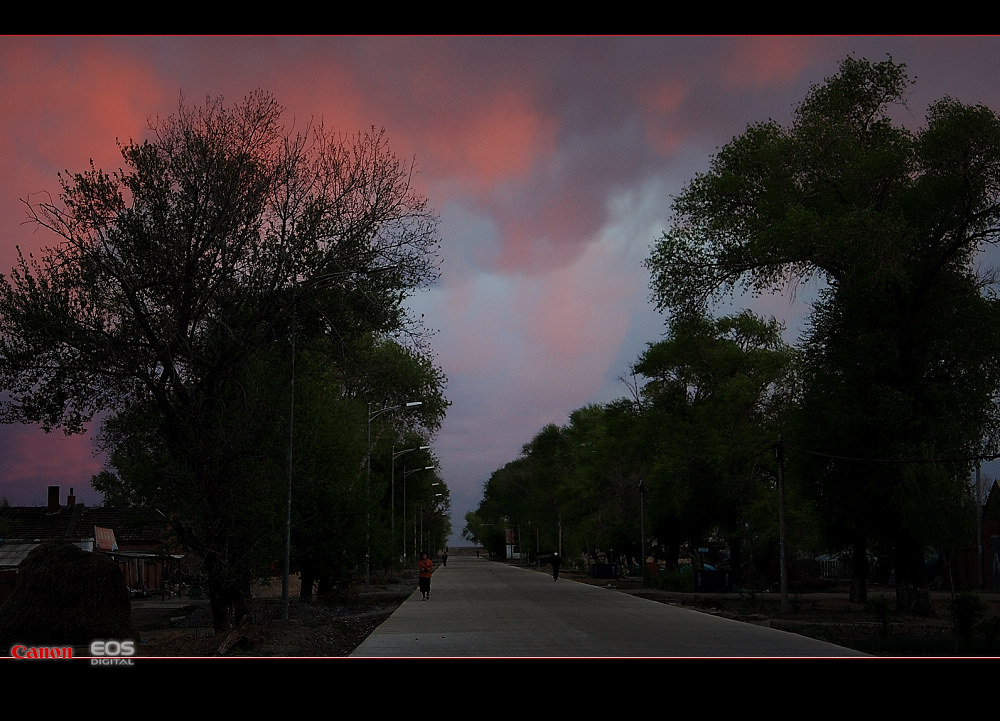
(138,539)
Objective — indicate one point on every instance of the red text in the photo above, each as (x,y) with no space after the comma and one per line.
(28,652)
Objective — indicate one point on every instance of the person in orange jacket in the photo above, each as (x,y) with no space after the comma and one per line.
(425,567)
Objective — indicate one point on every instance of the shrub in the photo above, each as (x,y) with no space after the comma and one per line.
(674,581)
(966,609)
(881,608)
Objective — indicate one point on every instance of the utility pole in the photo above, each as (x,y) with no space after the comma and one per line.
(779,454)
(979,525)
(642,531)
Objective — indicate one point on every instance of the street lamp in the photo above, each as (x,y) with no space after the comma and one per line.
(368,482)
(318,282)
(422,509)
(436,495)
(392,498)
(642,530)
(405,474)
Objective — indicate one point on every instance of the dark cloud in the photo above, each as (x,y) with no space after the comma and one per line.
(551,160)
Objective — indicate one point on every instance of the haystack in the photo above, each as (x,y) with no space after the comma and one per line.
(65,596)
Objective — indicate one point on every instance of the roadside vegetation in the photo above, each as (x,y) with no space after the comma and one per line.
(847,452)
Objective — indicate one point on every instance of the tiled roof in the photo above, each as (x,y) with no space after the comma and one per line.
(11,554)
(73,522)
(37,522)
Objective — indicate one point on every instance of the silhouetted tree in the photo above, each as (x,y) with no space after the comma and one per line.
(891,222)
(223,234)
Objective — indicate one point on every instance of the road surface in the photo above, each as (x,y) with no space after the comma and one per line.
(481,608)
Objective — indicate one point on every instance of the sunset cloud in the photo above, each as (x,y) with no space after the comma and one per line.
(551,161)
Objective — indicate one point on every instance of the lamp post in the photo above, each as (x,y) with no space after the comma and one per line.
(421,536)
(405,474)
(286,562)
(316,283)
(779,455)
(642,530)
(368,482)
(392,498)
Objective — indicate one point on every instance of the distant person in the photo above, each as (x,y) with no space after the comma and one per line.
(444,558)
(555,566)
(425,567)
(477,553)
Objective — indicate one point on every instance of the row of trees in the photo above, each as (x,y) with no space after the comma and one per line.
(887,401)
(230,307)
(687,459)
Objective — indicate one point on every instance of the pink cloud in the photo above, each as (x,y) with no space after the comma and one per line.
(757,62)
(61,110)
(660,105)
(68,107)
(497,138)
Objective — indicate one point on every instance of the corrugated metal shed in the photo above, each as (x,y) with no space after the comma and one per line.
(12,552)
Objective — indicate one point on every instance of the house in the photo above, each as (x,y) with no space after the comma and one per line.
(138,539)
(978,566)
(990,538)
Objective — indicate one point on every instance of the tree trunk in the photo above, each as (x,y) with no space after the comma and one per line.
(306,586)
(229,597)
(671,554)
(912,593)
(326,586)
(859,572)
(911,598)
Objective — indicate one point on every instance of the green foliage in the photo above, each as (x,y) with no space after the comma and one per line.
(714,399)
(881,607)
(681,462)
(889,223)
(173,298)
(990,629)
(484,531)
(673,581)
(967,609)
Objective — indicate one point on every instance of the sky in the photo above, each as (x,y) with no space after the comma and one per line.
(550,160)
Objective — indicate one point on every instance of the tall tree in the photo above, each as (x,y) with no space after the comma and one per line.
(716,392)
(222,232)
(606,458)
(892,222)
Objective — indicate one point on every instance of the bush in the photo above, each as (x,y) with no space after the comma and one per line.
(967,608)
(674,581)
(990,628)
(881,608)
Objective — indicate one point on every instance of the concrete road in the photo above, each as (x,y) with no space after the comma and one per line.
(480,608)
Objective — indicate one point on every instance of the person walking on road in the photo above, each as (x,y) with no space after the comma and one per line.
(555,566)
(425,567)
(444,558)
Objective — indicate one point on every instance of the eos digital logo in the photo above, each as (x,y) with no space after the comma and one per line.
(112,653)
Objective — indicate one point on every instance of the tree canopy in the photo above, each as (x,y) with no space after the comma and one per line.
(690,442)
(880,408)
(843,194)
(893,222)
(177,283)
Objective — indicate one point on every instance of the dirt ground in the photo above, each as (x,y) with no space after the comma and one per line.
(336,628)
(313,629)
(831,616)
